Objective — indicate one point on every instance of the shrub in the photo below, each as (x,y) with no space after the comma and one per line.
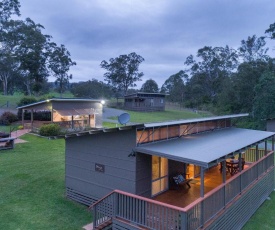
(26,101)
(49,130)
(7,118)
(20,127)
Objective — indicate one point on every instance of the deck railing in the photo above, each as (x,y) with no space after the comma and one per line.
(153,214)
(139,210)
(217,199)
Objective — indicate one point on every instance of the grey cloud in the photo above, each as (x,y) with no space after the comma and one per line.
(163,32)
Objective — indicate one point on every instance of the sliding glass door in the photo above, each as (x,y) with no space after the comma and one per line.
(159,175)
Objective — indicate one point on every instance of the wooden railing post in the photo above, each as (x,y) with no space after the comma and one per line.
(115,204)
(94,217)
(257,159)
(183,219)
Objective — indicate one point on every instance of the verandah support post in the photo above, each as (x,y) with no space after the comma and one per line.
(223,181)
(23,111)
(265,147)
(257,159)
(32,119)
(202,194)
(265,153)
(273,143)
(240,169)
(72,119)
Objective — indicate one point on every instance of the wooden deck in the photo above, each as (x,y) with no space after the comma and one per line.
(184,195)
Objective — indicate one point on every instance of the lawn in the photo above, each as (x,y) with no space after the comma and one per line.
(264,218)
(32,194)
(167,115)
(12,101)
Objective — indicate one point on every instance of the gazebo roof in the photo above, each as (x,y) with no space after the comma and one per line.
(58,100)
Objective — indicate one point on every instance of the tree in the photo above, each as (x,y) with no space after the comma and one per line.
(7,60)
(60,63)
(207,74)
(264,102)
(8,8)
(122,72)
(244,81)
(33,55)
(150,86)
(271,31)
(26,53)
(174,86)
(91,89)
(8,68)
(253,49)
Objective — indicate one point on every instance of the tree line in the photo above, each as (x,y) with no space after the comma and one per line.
(223,80)
(27,56)
(218,79)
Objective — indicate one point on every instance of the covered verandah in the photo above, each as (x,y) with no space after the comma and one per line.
(214,191)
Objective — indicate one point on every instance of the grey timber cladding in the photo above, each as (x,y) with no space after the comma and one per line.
(270,125)
(110,149)
(143,174)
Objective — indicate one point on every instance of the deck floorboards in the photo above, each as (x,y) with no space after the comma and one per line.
(184,195)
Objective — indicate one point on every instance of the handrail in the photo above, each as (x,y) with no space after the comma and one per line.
(190,206)
(150,200)
(97,202)
(138,197)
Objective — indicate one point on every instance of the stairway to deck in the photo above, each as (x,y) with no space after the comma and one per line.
(116,223)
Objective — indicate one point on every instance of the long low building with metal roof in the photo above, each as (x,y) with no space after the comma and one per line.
(137,166)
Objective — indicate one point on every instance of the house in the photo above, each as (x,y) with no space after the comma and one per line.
(146,102)
(68,113)
(270,124)
(128,174)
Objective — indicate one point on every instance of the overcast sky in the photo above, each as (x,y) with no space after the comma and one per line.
(163,32)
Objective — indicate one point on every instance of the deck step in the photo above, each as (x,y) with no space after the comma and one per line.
(88,226)
(102,226)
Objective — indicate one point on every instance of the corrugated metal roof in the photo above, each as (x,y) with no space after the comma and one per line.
(202,149)
(144,93)
(195,120)
(104,130)
(57,99)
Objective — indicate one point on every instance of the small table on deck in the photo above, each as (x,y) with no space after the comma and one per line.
(232,166)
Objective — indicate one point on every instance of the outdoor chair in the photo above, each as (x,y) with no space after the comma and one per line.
(180,179)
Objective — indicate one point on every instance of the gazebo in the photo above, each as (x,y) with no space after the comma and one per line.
(68,113)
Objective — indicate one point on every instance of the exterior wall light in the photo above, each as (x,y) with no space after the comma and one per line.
(102,102)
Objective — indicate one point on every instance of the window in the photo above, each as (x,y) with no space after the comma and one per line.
(159,174)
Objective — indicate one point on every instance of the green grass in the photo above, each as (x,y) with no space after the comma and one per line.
(12,101)
(8,128)
(66,94)
(167,115)
(32,194)
(264,218)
